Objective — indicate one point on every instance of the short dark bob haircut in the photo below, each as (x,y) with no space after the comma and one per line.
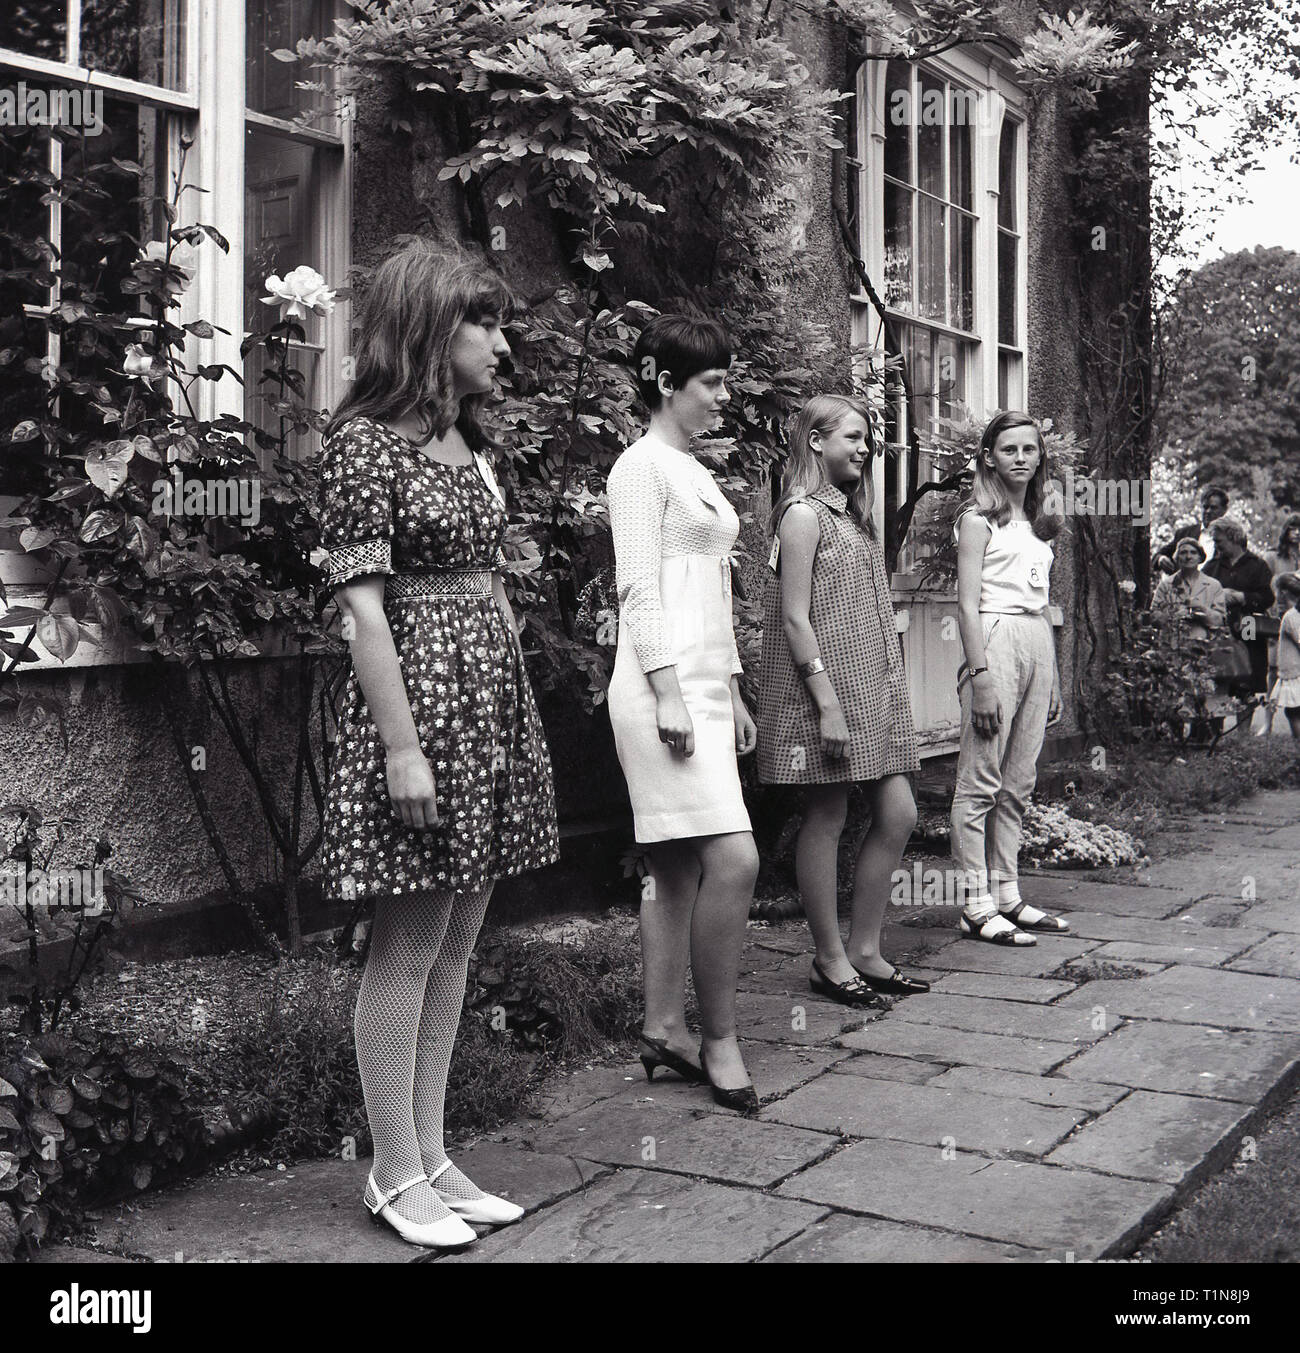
(682,346)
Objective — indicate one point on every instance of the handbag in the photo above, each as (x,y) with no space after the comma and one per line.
(1231,659)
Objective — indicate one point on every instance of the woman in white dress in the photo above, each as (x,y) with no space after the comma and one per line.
(674,702)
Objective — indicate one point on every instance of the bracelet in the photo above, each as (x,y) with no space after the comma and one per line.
(810,668)
(973,672)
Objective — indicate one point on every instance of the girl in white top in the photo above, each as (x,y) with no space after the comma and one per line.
(1008,684)
(674,702)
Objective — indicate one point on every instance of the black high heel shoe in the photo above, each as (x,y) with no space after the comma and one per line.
(744,1100)
(661,1054)
(893,985)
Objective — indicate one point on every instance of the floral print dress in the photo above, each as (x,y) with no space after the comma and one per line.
(387,508)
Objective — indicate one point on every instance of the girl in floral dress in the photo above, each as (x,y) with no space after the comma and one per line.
(442,780)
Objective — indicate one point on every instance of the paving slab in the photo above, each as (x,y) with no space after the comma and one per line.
(1185,928)
(1170,1138)
(868,1240)
(1230,873)
(887,1068)
(805,1020)
(1070,1094)
(567,1093)
(775,975)
(1278,806)
(1278,955)
(776,1070)
(649,1217)
(1000,986)
(855,1106)
(1039,1206)
(1058,893)
(1281,915)
(310,1213)
(1188,1059)
(1284,838)
(712,1145)
(1036,960)
(959,1047)
(1016,1019)
(1219,913)
(1187,995)
(1198,955)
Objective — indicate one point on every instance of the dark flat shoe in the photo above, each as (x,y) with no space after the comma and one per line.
(1045,925)
(743,1100)
(854,992)
(660,1054)
(893,985)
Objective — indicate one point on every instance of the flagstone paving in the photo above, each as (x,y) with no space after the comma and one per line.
(1017,1112)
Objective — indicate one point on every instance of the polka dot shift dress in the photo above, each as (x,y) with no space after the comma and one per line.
(387,508)
(853,618)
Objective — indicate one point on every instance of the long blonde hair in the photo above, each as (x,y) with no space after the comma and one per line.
(804,472)
(988,495)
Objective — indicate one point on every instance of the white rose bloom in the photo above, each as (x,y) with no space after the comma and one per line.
(299,291)
(182,260)
(137,362)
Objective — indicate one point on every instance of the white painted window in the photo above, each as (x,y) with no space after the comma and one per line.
(273,162)
(940,152)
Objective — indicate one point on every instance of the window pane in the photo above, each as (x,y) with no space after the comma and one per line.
(922,372)
(1007,175)
(35,28)
(1010,386)
(1007,289)
(898,246)
(959,152)
(950,375)
(282,226)
(273,24)
(898,120)
(961,267)
(931,262)
(930,117)
(24,153)
(92,263)
(136,39)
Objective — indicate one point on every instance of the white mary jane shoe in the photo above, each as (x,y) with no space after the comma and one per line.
(489,1209)
(448,1234)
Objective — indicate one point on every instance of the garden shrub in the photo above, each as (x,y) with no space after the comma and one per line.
(85,1122)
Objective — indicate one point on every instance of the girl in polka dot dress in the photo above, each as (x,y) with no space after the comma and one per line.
(441,781)
(834,707)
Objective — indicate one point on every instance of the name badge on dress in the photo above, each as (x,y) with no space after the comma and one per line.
(776,553)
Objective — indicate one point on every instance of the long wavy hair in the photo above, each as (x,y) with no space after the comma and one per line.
(1290,524)
(416,300)
(804,471)
(988,494)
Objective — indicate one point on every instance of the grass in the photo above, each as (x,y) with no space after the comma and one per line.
(1140,792)
(1249,1213)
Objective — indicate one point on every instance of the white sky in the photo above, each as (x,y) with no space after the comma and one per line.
(1270,214)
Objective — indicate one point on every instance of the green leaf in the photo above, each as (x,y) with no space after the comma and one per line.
(24,432)
(37,538)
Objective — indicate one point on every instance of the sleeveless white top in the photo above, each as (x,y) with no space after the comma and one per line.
(1017,567)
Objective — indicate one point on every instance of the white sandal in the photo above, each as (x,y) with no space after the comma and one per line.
(447,1234)
(995,929)
(489,1209)
(1030,918)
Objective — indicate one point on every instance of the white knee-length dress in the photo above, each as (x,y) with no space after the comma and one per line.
(673,534)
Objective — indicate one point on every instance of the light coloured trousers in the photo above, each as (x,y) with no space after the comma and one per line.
(996,775)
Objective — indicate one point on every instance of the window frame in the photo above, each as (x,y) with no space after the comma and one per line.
(212,111)
(998,97)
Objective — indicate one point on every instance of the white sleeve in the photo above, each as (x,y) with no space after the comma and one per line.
(638,494)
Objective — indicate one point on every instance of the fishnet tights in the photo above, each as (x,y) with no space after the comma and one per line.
(407,1013)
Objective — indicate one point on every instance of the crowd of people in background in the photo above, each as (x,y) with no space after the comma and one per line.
(1213,588)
